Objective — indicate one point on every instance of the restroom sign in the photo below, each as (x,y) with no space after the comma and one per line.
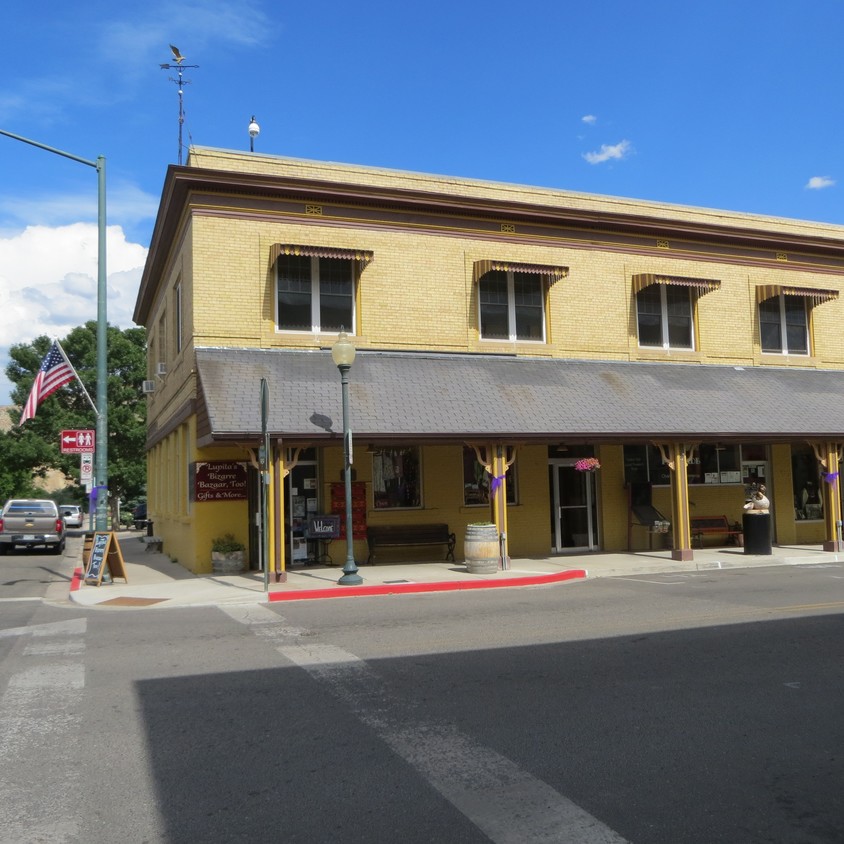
(77,442)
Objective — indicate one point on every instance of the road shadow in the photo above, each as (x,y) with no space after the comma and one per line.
(721,733)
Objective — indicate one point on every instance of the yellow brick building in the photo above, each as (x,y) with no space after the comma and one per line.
(503,334)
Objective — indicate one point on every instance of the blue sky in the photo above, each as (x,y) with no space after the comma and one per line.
(719,104)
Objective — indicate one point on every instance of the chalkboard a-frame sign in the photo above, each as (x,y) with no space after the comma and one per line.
(105,552)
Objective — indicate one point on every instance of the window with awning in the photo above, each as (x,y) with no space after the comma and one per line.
(783,316)
(315,286)
(512,300)
(665,308)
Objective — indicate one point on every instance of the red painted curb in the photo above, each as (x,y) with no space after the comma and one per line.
(405,588)
(77,580)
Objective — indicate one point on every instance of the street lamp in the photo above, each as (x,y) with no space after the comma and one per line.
(101,458)
(343,354)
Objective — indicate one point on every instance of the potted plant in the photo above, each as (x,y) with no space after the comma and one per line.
(227,554)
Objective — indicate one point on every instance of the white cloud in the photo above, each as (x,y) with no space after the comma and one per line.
(126,202)
(609,151)
(135,38)
(819,182)
(591,119)
(48,283)
(192,27)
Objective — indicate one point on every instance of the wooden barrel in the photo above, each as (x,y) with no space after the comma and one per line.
(481,549)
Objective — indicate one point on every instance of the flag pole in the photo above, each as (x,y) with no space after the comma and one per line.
(67,361)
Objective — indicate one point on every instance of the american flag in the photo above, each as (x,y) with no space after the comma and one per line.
(55,372)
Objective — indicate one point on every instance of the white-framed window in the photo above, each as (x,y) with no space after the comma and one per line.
(512,306)
(665,316)
(784,325)
(315,294)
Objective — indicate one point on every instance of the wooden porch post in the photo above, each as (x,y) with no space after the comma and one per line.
(279,545)
(676,457)
(496,460)
(829,456)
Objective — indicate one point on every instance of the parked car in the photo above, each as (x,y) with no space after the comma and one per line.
(139,516)
(30,522)
(72,515)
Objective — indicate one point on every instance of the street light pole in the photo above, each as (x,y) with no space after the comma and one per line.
(101,458)
(343,354)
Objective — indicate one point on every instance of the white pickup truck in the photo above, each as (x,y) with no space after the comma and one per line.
(30,522)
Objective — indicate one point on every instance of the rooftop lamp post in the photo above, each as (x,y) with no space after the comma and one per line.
(254,130)
(343,355)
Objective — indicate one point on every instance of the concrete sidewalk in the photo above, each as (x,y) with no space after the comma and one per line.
(155,581)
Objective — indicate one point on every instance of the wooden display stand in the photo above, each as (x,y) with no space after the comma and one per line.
(104,552)
(642,514)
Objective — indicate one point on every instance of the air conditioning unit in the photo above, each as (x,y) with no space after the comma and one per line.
(148,386)
(161,368)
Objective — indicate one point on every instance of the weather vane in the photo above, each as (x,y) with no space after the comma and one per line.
(179,66)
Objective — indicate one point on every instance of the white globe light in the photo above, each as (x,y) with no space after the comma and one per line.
(343,351)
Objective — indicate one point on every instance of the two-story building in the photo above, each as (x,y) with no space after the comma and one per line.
(503,333)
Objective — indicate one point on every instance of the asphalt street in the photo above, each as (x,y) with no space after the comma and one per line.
(700,707)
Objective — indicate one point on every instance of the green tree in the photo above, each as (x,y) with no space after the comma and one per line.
(33,448)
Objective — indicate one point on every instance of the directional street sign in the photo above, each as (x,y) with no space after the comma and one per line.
(77,442)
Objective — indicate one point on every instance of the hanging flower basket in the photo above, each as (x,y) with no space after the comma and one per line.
(587,464)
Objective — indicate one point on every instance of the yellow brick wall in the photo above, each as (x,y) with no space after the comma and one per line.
(612,499)
(188,527)
(418,293)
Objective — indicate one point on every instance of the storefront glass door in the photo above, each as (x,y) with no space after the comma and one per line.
(302,502)
(574,518)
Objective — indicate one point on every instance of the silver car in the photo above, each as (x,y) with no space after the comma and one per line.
(72,515)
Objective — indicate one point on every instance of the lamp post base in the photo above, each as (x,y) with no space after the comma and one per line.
(350,578)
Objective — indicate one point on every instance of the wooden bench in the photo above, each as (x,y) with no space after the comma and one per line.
(706,525)
(378,536)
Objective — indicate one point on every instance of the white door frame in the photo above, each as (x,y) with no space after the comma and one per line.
(556,463)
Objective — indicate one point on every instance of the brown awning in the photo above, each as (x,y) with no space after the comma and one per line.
(815,296)
(363,256)
(702,285)
(486,266)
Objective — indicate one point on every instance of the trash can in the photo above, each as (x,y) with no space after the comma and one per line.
(757,533)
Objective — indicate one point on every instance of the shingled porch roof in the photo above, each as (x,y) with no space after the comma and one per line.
(424,397)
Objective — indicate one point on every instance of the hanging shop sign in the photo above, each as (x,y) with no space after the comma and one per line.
(219,480)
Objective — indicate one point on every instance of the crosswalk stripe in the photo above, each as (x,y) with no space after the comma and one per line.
(504,801)
(40,711)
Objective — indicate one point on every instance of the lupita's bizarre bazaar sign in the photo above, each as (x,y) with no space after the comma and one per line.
(219,480)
